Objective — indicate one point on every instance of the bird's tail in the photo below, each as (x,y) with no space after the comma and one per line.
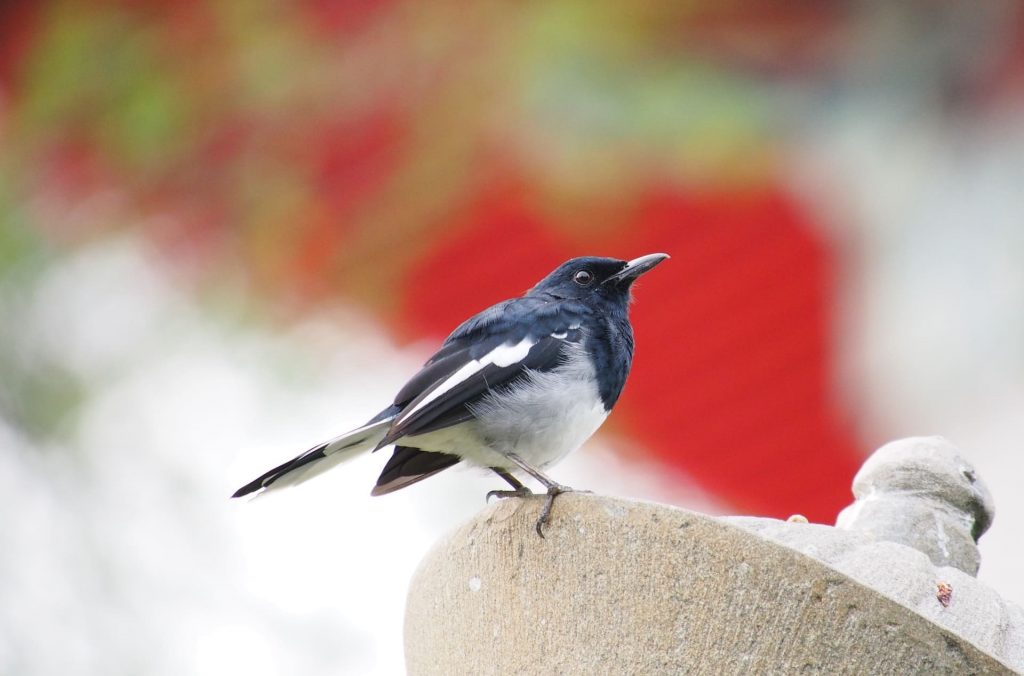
(321,458)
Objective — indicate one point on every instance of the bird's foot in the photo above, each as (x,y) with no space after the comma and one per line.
(521,492)
(554,490)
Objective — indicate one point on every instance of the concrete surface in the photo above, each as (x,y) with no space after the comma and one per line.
(623,587)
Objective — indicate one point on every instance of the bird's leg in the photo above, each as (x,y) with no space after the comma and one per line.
(518,489)
(554,490)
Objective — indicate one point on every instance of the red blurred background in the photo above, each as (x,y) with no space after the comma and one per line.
(426,168)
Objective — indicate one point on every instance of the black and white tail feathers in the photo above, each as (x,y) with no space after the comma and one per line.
(323,457)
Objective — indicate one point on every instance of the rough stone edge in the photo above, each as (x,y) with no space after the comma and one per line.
(848,552)
(527,510)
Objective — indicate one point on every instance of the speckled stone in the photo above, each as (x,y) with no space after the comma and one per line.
(623,587)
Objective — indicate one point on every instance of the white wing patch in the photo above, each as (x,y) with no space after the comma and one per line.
(502,356)
(506,355)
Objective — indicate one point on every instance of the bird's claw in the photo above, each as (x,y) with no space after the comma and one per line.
(545,512)
(502,494)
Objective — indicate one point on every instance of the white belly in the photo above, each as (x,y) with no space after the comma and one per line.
(543,419)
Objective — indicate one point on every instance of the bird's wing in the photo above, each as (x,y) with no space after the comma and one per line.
(489,351)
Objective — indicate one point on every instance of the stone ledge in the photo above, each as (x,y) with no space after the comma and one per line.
(970,609)
(629,587)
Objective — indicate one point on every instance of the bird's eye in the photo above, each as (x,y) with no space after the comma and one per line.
(583,277)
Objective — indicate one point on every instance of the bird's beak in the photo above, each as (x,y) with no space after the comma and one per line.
(635,268)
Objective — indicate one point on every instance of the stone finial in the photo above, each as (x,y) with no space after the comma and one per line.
(920,492)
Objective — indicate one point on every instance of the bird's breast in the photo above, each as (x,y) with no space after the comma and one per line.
(545,415)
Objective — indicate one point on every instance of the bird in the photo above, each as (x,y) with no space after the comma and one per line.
(513,389)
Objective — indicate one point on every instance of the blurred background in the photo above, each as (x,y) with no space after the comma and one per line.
(230,230)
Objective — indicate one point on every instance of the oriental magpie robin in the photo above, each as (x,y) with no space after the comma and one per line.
(514,389)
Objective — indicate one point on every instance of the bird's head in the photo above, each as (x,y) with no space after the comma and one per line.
(595,277)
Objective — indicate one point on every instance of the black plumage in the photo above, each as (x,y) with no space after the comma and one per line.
(568,338)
